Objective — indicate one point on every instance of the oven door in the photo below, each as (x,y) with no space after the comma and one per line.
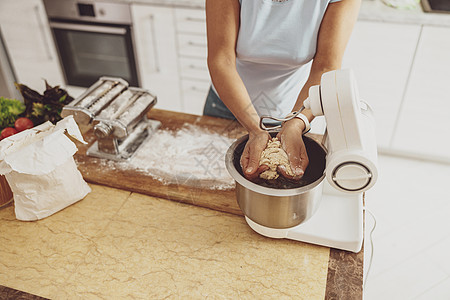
(89,51)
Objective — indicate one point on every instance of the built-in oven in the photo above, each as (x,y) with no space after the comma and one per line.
(93,39)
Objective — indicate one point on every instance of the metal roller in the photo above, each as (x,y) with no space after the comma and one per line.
(118,114)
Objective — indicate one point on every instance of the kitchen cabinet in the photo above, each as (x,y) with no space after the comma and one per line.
(381,55)
(192,54)
(29,43)
(191,21)
(424,123)
(194,95)
(171,50)
(156,47)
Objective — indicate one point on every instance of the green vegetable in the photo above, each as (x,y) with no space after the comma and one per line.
(46,107)
(38,110)
(10,109)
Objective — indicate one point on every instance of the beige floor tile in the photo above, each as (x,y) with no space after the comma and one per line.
(37,257)
(156,248)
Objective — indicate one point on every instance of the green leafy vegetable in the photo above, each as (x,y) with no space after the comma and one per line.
(38,110)
(46,107)
(10,109)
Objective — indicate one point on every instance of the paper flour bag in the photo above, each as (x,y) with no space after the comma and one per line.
(39,167)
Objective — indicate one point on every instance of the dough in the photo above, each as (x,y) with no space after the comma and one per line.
(274,156)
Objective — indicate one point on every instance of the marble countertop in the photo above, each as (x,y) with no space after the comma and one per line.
(117,244)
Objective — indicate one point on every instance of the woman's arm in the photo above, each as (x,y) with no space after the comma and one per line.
(222,23)
(334,33)
(222,19)
(335,30)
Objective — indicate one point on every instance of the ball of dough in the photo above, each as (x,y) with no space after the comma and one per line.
(274,156)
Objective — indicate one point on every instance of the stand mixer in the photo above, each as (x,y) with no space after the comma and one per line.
(350,168)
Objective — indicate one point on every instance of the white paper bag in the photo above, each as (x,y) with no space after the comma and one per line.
(39,167)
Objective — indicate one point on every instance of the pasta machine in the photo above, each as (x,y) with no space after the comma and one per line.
(119,116)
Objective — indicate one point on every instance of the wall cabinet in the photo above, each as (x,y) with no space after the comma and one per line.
(29,43)
(156,47)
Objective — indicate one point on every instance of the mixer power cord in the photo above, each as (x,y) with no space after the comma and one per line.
(371,246)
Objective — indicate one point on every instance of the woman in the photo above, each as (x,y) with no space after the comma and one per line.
(263,56)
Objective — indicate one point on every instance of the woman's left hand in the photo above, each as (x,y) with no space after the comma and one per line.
(292,142)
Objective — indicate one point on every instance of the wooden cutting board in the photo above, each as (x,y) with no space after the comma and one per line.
(5,191)
(109,173)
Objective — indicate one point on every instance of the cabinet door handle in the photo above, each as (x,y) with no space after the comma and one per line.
(196,89)
(191,43)
(44,36)
(154,46)
(192,19)
(194,67)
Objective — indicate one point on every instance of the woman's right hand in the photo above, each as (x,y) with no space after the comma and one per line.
(251,155)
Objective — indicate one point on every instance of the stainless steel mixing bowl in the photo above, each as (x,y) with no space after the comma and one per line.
(279,207)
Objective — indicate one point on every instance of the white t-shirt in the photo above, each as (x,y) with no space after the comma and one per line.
(276,44)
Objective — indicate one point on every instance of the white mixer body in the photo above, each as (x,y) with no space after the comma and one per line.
(351,143)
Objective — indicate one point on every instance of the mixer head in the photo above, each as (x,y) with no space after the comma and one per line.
(351,144)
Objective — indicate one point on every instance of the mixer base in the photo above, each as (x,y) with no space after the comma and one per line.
(338,223)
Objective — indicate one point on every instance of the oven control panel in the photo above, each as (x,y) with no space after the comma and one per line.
(90,11)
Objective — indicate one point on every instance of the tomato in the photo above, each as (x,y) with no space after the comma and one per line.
(22,124)
(7,132)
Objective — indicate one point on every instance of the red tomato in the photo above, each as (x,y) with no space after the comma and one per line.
(8,131)
(22,124)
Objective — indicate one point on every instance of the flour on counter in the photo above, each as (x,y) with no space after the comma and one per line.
(190,156)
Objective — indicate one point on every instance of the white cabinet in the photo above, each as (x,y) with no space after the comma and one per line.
(381,55)
(156,48)
(171,50)
(192,53)
(424,124)
(29,42)
(191,21)
(194,95)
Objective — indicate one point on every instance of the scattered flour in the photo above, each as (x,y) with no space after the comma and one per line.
(191,156)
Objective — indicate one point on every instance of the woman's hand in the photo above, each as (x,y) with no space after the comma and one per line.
(292,142)
(251,155)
